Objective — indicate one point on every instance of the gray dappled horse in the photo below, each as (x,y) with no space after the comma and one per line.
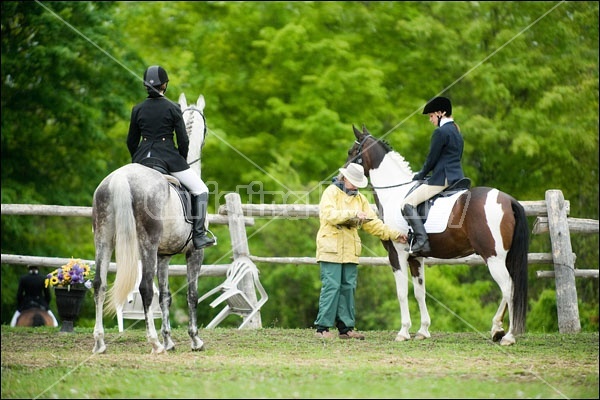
(479,220)
(139,215)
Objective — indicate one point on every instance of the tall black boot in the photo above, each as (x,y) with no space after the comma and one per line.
(199,209)
(421,242)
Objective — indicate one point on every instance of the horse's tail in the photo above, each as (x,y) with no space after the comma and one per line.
(516,263)
(38,320)
(126,243)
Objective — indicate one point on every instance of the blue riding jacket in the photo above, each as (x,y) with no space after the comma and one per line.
(445,154)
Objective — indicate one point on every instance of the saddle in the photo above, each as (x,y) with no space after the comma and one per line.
(458,186)
(184,195)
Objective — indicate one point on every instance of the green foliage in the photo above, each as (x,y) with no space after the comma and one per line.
(542,316)
(284,82)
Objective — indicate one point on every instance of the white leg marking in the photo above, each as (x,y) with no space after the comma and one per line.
(401,278)
(497,267)
(420,296)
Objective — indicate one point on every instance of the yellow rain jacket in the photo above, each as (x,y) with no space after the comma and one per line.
(337,241)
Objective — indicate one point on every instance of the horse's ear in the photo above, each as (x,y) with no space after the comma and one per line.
(357,133)
(200,103)
(365,132)
(182,101)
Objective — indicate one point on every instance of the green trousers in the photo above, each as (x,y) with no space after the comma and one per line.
(336,301)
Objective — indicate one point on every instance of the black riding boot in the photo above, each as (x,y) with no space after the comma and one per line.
(421,242)
(199,210)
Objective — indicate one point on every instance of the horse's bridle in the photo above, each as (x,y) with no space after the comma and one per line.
(205,130)
(359,160)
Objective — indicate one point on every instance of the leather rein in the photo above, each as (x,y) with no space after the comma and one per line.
(359,160)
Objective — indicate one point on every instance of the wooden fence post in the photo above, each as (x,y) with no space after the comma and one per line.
(564,264)
(239,245)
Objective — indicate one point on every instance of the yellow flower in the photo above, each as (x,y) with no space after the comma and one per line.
(74,273)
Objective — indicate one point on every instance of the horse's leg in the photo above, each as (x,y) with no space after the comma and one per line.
(399,261)
(418,277)
(401,278)
(148,258)
(497,328)
(497,267)
(402,292)
(165,301)
(102,261)
(194,263)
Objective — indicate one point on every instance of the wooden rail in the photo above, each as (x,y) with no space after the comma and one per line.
(551,218)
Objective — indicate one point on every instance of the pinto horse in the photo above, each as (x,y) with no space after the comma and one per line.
(138,213)
(482,220)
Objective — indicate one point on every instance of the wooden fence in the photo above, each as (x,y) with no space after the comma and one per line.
(551,217)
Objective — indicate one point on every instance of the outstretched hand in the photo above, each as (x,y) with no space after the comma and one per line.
(402,238)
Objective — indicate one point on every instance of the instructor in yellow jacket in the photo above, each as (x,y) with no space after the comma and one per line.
(342,210)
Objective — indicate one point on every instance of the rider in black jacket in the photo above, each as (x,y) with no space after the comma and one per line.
(151,128)
(33,293)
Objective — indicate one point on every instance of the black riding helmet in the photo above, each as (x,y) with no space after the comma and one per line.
(155,76)
(439,104)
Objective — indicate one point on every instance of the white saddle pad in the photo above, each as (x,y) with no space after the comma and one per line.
(437,219)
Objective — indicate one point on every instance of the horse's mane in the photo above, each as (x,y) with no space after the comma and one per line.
(402,163)
(395,156)
(196,138)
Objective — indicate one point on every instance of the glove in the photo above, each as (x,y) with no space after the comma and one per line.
(418,176)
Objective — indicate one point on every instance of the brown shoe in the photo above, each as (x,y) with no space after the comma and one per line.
(352,335)
(324,335)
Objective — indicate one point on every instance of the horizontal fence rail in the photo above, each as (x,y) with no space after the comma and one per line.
(551,218)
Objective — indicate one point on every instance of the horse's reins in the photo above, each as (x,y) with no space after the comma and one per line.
(204,119)
(358,160)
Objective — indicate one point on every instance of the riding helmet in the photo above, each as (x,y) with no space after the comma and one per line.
(155,76)
(439,104)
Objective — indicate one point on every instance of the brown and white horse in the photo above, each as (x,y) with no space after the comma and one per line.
(33,317)
(137,214)
(482,220)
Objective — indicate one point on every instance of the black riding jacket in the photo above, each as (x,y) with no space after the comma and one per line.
(151,128)
(33,293)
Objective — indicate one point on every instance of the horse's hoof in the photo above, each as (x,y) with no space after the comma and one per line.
(197,344)
(159,350)
(400,338)
(99,350)
(496,336)
(201,348)
(420,336)
(507,340)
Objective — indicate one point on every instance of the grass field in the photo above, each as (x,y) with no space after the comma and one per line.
(292,363)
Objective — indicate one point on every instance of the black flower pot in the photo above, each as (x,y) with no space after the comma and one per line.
(68,304)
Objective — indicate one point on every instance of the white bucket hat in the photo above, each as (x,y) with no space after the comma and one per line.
(355,174)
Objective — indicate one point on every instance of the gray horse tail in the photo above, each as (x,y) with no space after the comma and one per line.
(126,243)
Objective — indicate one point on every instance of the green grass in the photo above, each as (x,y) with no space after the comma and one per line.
(291,363)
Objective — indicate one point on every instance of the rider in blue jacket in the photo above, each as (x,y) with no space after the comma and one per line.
(444,164)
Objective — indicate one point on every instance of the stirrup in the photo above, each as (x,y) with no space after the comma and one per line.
(412,239)
(419,252)
(205,240)
(213,236)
